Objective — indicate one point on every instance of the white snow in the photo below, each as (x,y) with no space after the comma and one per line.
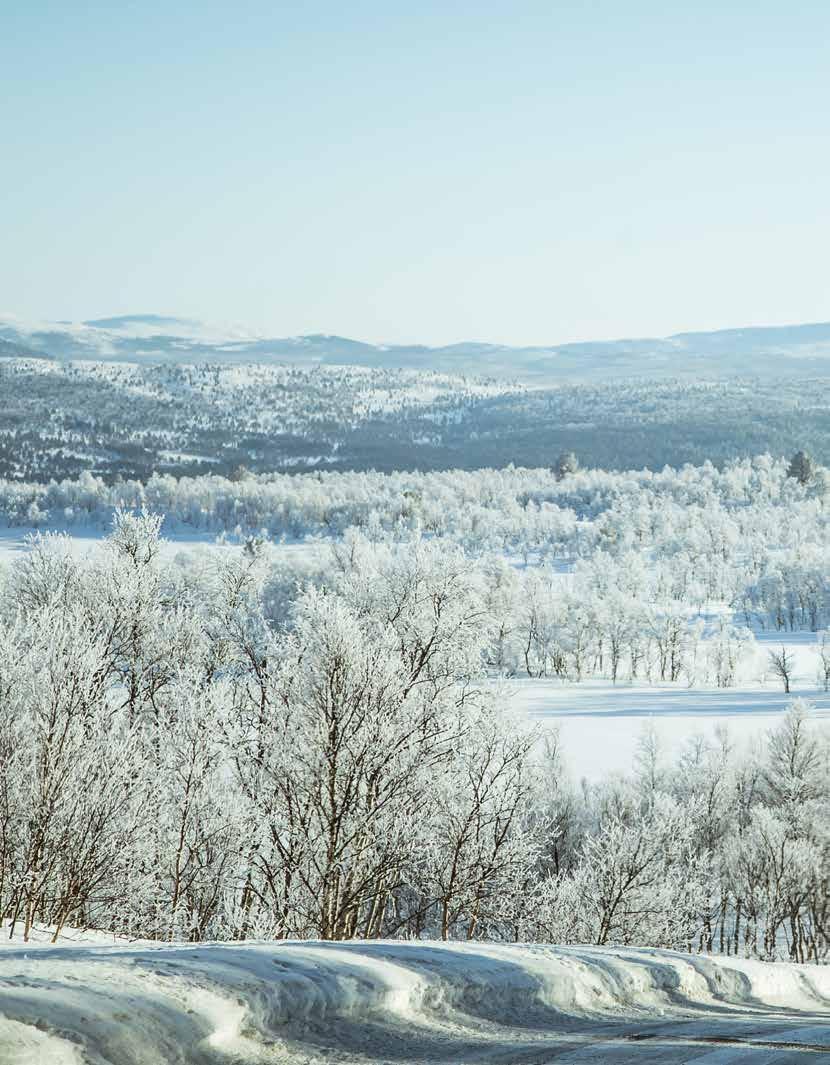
(600,723)
(134,327)
(429,1002)
(87,541)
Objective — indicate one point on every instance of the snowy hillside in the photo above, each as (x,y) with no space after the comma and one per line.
(795,349)
(129,419)
(428,1002)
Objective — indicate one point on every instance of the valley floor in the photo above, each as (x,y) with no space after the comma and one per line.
(601,723)
(300,1003)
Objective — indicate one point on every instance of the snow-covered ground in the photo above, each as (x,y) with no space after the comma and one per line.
(402,1002)
(15,541)
(601,723)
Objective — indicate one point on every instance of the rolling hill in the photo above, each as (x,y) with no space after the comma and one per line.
(795,350)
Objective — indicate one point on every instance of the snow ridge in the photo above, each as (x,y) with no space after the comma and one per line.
(142,1004)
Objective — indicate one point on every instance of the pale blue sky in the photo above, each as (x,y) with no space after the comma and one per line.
(515,172)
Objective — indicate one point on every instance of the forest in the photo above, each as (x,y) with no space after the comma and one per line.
(237,746)
(137,420)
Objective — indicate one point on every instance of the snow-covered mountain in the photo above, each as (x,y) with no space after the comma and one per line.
(10,349)
(772,350)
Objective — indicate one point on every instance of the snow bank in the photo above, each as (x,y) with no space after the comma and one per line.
(144,1005)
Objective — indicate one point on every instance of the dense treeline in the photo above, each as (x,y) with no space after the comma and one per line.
(700,546)
(215,754)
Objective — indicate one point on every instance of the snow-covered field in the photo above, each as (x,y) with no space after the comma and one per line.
(601,723)
(14,543)
(402,1002)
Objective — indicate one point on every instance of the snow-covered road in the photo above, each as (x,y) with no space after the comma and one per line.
(403,1002)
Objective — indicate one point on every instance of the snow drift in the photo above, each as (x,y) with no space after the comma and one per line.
(300,1002)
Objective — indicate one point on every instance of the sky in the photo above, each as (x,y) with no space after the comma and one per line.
(432,172)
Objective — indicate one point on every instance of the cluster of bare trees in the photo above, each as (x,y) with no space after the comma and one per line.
(176,765)
(707,514)
(616,618)
(720,850)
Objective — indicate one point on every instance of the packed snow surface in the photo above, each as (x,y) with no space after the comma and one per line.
(402,1002)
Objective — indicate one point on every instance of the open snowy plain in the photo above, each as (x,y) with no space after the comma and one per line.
(600,723)
(304,1003)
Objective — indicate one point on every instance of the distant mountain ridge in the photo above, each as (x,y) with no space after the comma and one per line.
(10,349)
(800,350)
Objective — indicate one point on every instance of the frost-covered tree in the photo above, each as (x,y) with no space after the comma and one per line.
(782,664)
(801,467)
(637,880)
(824,661)
(481,846)
(221,746)
(566,464)
(69,803)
